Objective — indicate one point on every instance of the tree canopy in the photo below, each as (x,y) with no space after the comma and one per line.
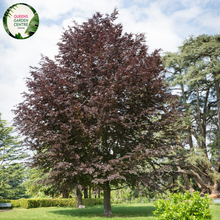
(12,172)
(194,71)
(101,111)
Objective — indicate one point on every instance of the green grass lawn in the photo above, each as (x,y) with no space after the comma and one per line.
(125,212)
(215,211)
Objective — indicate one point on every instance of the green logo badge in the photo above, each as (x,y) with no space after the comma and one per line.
(21,21)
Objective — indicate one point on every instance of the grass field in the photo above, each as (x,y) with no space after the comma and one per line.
(125,212)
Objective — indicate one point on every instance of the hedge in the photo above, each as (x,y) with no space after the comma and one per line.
(90,202)
(129,200)
(34,203)
(5,201)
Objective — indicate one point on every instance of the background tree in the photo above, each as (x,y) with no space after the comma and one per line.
(35,186)
(12,172)
(101,112)
(195,73)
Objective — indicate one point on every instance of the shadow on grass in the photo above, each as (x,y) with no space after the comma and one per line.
(117,211)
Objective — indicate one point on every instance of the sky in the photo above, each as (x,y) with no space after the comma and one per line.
(166,24)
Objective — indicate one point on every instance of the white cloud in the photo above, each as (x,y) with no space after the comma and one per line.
(151,21)
(190,3)
(213,22)
(17,56)
(187,14)
(10,96)
(69,21)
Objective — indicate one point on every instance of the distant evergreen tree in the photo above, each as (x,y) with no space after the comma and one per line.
(35,186)
(12,172)
(195,72)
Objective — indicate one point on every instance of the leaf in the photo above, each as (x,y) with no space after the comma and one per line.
(18,36)
(32,29)
(33,25)
(6,15)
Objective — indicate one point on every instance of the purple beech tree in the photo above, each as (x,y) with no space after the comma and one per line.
(100,112)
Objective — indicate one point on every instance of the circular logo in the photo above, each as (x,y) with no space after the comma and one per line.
(20,21)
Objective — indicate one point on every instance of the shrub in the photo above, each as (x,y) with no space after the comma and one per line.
(99,202)
(15,203)
(145,200)
(33,203)
(24,203)
(5,201)
(117,201)
(90,202)
(183,207)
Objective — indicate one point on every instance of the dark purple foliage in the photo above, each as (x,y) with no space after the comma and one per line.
(95,114)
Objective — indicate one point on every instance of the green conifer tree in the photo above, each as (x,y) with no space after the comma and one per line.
(12,171)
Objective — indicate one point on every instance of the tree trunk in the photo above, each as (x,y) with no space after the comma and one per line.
(78,196)
(217,166)
(205,183)
(186,180)
(215,189)
(65,193)
(86,193)
(217,89)
(203,192)
(107,200)
(90,193)
(188,184)
(99,193)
